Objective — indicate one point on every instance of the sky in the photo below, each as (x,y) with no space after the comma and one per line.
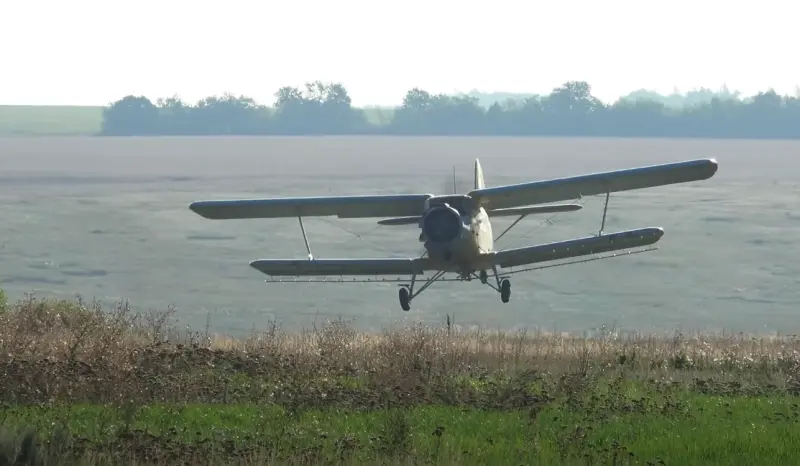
(91,52)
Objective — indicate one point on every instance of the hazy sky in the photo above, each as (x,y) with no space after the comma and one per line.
(94,52)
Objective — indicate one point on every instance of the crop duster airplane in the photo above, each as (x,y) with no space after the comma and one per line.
(456,229)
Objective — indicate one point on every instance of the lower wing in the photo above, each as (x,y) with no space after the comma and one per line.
(508,258)
(331,267)
(577,247)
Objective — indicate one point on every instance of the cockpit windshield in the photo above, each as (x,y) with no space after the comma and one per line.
(465,205)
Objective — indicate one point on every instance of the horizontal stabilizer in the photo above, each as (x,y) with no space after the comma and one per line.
(532,210)
(325,206)
(529,210)
(565,189)
(401,220)
(330,267)
(578,247)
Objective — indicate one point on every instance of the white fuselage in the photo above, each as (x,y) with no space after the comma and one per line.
(457,234)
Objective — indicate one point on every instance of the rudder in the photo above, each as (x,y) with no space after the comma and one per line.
(479,184)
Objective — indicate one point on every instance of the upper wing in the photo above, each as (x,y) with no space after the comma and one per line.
(578,247)
(323,206)
(322,267)
(563,189)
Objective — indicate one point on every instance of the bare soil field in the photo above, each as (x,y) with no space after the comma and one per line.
(108,218)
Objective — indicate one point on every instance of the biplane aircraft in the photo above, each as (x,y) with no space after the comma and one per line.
(456,229)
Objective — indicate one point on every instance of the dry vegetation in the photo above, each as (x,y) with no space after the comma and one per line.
(57,354)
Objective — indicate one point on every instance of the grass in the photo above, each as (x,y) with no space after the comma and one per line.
(49,120)
(87,385)
(64,120)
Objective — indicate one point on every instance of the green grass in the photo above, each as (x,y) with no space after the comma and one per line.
(55,120)
(683,429)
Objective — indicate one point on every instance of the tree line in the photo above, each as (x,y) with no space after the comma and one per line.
(570,110)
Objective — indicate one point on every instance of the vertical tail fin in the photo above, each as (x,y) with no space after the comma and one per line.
(479,184)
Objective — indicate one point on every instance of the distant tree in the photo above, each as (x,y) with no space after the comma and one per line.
(293,114)
(488,99)
(629,118)
(230,115)
(570,110)
(131,116)
(175,116)
(424,113)
(677,100)
(322,109)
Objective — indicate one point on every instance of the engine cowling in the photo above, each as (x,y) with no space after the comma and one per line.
(441,224)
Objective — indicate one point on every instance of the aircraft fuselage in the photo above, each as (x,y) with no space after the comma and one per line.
(457,233)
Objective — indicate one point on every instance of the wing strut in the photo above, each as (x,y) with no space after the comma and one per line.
(305,238)
(605,210)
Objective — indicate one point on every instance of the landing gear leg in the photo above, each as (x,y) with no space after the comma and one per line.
(503,286)
(407,294)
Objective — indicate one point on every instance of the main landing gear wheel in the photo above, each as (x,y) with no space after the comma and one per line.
(505,290)
(484,277)
(404,298)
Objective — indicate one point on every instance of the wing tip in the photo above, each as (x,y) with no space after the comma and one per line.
(199,207)
(255,263)
(196,207)
(712,165)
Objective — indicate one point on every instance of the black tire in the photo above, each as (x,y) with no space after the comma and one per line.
(404,298)
(505,290)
